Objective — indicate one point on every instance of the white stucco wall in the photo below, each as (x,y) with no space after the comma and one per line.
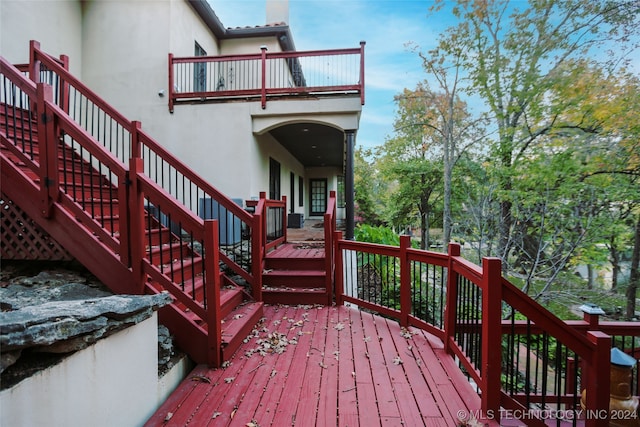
(111,383)
(120,50)
(57,25)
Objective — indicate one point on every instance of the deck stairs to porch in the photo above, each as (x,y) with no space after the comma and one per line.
(85,215)
(295,274)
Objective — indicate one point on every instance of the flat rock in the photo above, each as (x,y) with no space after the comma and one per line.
(56,321)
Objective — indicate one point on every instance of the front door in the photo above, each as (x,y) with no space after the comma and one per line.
(318,196)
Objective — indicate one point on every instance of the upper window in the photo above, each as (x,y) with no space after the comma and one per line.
(199,71)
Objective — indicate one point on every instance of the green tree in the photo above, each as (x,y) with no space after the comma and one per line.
(366,188)
(512,58)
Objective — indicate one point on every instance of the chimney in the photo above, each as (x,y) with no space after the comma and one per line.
(277,11)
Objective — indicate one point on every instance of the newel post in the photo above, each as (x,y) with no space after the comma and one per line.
(257,248)
(284,218)
(451,298)
(491,334)
(136,147)
(263,92)
(362,43)
(48,150)
(171,84)
(598,380)
(136,232)
(34,63)
(339,268)
(212,292)
(64,86)
(405,281)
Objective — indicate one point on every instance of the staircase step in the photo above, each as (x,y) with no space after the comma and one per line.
(237,325)
(156,236)
(294,278)
(291,296)
(231,296)
(301,263)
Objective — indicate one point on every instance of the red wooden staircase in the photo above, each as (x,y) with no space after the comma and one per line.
(295,274)
(89,177)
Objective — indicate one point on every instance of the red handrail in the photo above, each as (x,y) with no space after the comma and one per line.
(586,339)
(329,231)
(265,74)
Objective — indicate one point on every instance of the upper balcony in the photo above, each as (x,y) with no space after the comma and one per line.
(267,75)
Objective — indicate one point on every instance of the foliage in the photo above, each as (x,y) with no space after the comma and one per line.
(366,189)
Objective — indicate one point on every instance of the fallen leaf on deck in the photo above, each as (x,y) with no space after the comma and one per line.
(397,361)
(216,415)
(229,380)
(168,417)
(339,327)
(201,378)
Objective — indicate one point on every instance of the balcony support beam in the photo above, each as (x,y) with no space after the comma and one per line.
(349,196)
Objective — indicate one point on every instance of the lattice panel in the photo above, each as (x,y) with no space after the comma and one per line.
(23,239)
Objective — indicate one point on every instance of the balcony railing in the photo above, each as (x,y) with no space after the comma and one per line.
(266,75)
(521,357)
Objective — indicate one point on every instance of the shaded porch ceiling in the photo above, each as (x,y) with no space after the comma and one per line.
(313,144)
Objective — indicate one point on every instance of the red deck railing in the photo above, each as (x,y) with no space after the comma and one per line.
(267,74)
(143,190)
(522,358)
(125,139)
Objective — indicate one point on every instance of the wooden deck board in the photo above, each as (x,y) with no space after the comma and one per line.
(345,370)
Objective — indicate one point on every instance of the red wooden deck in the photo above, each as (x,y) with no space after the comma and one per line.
(325,366)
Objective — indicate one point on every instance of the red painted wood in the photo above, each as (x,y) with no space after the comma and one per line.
(273,388)
(303,376)
(367,402)
(263,372)
(327,413)
(425,393)
(381,380)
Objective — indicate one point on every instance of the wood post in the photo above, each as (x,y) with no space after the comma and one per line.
(263,91)
(257,253)
(361,82)
(212,292)
(598,381)
(339,268)
(135,207)
(136,147)
(491,368)
(451,299)
(405,281)
(34,63)
(48,161)
(170,95)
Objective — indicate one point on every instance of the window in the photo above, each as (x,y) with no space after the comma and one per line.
(301,191)
(341,192)
(274,179)
(199,71)
(292,187)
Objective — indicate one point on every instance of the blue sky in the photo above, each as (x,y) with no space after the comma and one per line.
(386,26)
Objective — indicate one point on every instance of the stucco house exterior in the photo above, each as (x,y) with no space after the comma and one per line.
(300,147)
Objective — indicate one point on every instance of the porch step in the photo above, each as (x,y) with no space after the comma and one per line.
(238,324)
(304,279)
(293,296)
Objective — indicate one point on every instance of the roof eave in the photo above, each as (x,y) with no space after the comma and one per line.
(281,32)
